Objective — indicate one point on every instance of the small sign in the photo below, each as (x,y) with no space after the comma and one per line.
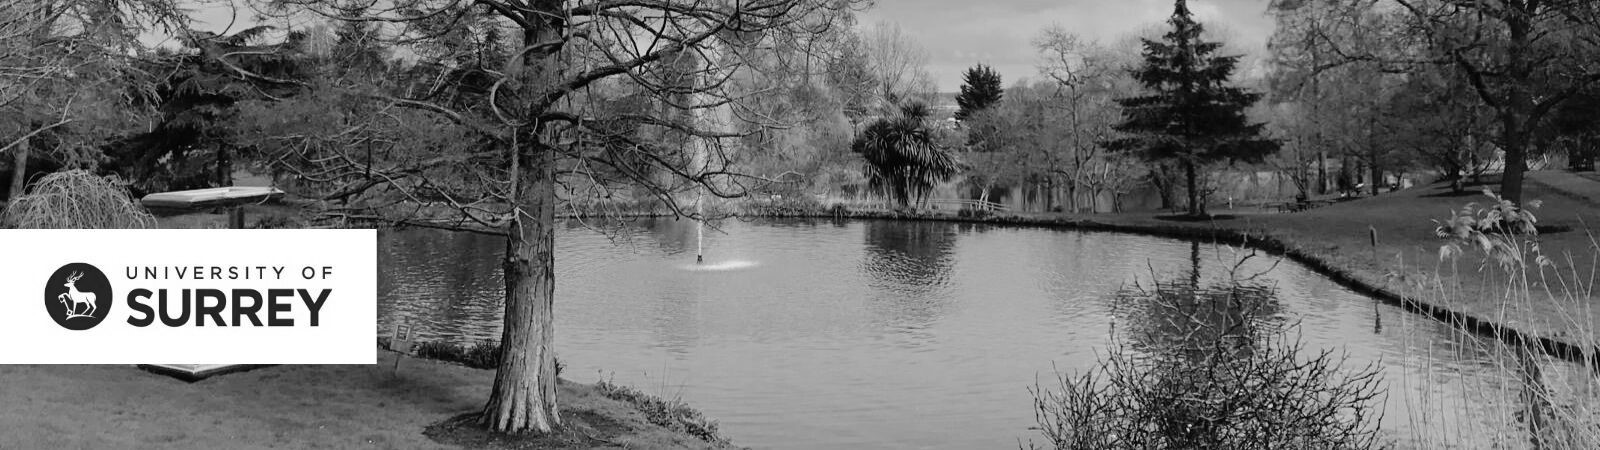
(401,340)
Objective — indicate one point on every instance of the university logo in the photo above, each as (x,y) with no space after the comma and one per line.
(78,296)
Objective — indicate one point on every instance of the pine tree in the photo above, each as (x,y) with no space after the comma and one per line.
(980,89)
(1190,116)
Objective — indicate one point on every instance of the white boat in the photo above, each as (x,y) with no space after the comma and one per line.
(205,198)
(197,372)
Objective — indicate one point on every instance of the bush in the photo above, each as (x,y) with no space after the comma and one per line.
(77,199)
(783,206)
(1210,370)
(839,210)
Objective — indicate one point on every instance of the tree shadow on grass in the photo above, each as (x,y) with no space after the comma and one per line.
(1448,193)
(1193,218)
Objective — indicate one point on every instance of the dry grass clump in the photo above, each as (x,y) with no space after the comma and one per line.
(77,199)
(1537,400)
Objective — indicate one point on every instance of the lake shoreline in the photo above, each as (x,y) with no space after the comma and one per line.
(1257,240)
(1332,240)
(1254,231)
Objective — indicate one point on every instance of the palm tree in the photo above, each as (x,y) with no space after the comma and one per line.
(903,159)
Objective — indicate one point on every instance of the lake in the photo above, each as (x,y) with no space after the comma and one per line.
(886,334)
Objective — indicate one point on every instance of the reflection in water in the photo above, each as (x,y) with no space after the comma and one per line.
(1209,366)
(719,266)
(910,266)
(870,334)
(909,255)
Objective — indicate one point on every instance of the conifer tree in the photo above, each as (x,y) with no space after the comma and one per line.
(1189,116)
(980,88)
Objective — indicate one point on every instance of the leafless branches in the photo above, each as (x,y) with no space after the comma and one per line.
(633,97)
(1211,372)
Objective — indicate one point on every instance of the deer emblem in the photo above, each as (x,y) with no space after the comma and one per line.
(78,299)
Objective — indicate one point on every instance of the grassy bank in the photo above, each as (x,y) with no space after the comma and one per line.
(1405,266)
(307,406)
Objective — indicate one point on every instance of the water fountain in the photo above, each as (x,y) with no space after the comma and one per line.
(700,154)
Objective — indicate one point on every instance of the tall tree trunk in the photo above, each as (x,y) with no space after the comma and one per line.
(1161,177)
(1516,155)
(19,171)
(1517,114)
(524,396)
(224,174)
(1377,178)
(1195,208)
(1322,173)
(1072,196)
(1372,156)
(1375,171)
(1094,199)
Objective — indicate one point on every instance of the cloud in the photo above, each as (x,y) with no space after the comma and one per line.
(961,33)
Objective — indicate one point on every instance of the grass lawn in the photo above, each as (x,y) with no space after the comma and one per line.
(303,406)
(1407,258)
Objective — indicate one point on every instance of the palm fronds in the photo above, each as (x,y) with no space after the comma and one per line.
(903,156)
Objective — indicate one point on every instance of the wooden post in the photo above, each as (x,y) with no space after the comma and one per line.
(1372,233)
(236,217)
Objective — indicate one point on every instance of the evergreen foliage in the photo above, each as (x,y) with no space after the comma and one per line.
(1190,116)
(903,156)
(980,89)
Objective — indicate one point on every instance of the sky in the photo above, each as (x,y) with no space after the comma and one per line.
(961,33)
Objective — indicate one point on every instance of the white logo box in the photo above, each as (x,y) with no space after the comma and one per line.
(344,262)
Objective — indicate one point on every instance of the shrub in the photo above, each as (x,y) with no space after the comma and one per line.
(799,204)
(1209,369)
(278,222)
(839,210)
(77,199)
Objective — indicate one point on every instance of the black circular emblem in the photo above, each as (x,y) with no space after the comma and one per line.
(78,296)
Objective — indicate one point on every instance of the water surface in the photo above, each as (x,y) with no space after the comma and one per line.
(878,334)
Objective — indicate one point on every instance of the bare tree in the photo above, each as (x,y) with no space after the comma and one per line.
(1087,76)
(899,64)
(565,100)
